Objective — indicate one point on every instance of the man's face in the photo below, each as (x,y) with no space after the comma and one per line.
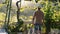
(39,8)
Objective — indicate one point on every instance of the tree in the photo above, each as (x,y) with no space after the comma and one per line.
(53,0)
(48,17)
(18,10)
(48,21)
(19,21)
(7,18)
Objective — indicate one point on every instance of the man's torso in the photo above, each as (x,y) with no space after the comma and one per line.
(39,17)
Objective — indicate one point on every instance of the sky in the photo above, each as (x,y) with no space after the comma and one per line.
(25,3)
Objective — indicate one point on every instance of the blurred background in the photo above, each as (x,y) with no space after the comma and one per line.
(8,15)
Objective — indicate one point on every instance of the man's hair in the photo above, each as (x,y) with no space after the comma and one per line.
(39,7)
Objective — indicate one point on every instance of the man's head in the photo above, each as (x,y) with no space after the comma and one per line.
(39,8)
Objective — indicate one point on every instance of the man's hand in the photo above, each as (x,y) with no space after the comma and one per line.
(32,22)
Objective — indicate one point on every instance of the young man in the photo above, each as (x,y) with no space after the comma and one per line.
(38,18)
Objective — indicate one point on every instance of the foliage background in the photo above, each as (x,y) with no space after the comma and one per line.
(50,9)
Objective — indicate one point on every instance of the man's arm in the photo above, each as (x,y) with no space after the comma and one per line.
(33,17)
(43,18)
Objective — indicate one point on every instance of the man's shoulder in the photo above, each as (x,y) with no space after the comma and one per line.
(42,12)
(35,11)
